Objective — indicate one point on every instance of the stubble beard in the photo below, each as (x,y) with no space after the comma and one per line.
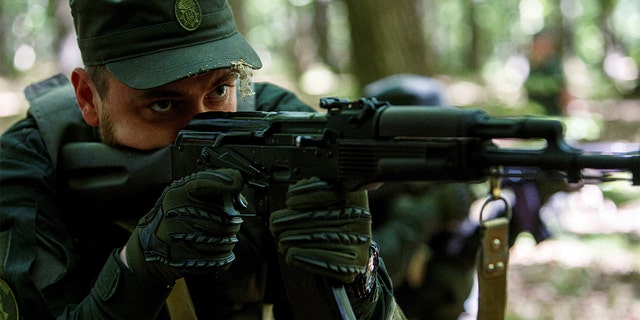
(106,128)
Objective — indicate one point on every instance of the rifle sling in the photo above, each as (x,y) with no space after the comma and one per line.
(493,258)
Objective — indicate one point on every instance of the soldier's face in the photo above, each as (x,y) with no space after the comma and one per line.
(149,119)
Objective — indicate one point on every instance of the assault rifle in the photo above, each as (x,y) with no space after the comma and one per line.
(355,144)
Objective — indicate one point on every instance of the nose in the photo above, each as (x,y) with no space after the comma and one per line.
(194,109)
(201,107)
(198,106)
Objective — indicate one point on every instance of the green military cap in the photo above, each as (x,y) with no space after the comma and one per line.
(149,43)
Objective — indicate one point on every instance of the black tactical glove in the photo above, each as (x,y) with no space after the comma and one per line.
(321,233)
(189,231)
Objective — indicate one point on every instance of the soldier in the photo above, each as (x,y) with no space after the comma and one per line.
(149,67)
(426,230)
(546,83)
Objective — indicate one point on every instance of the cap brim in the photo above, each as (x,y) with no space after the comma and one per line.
(160,68)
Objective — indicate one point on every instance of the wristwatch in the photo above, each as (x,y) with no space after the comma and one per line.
(365,284)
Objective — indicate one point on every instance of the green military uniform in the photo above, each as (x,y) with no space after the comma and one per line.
(60,258)
(419,227)
(546,82)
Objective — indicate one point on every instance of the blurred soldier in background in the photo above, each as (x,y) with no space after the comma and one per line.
(422,227)
(429,232)
(546,83)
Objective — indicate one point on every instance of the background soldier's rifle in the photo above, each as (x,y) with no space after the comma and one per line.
(355,144)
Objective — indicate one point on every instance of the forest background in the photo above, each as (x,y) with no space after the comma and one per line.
(479,50)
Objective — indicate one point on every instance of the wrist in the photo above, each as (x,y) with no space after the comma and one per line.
(121,292)
(364,285)
(123,256)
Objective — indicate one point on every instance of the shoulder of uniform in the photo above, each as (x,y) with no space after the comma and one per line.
(53,105)
(37,89)
(272,97)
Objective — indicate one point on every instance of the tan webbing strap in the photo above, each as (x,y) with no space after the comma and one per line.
(179,302)
(493,259)
(492,270)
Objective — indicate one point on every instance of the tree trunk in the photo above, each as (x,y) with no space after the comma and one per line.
(388,38)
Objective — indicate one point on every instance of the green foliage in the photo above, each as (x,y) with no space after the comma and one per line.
(463,36)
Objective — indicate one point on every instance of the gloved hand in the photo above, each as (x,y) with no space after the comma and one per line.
(189,231)
(321,233)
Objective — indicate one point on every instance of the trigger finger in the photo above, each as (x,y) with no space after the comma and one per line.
(215,182)
(313,193)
